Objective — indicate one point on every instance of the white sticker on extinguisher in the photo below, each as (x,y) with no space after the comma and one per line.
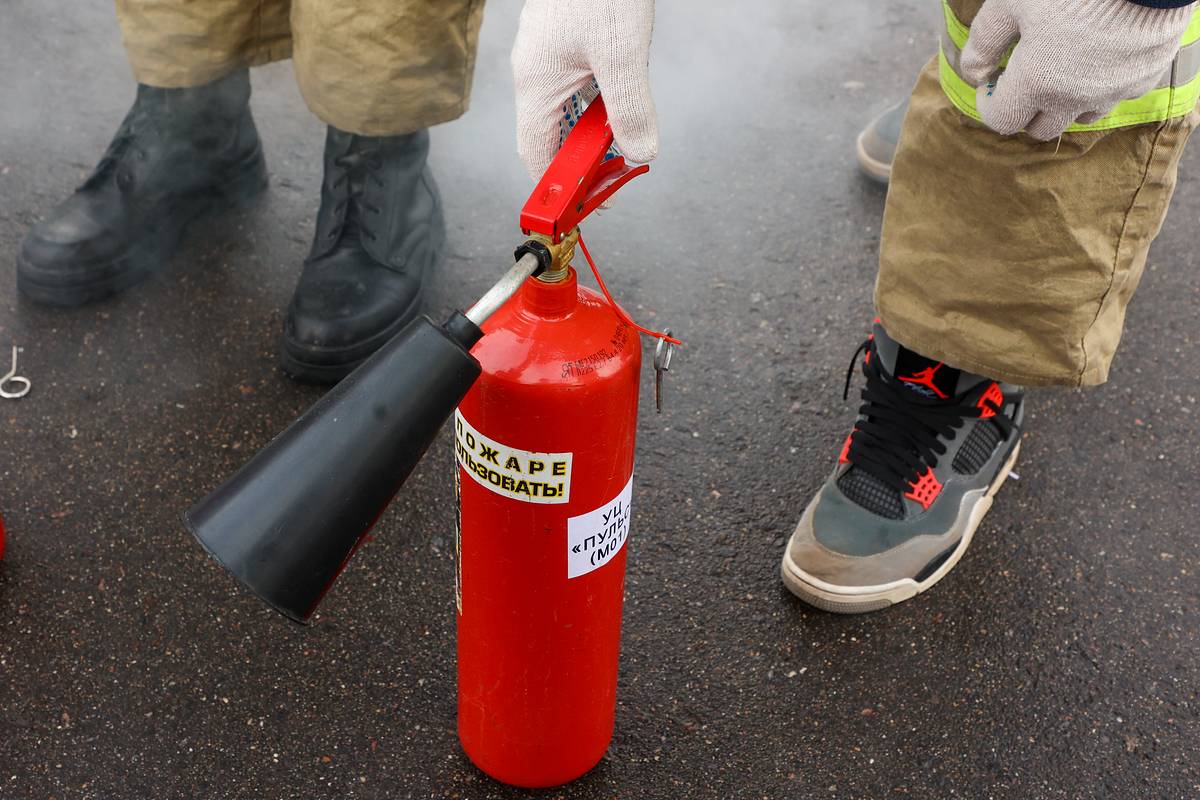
(595,537)
(520,474)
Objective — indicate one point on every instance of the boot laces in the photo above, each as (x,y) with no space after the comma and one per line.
(126,141)
(356,169)
(900,433)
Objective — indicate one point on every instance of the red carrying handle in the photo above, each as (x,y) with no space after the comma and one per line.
(579,179)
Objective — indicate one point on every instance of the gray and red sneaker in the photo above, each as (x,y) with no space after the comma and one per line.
(931,447)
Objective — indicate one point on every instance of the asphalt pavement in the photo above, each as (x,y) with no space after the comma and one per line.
(1059,660)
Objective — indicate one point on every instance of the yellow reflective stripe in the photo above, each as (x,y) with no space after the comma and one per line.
(1154,106)
(959,92)
(958,32)
(1192,33)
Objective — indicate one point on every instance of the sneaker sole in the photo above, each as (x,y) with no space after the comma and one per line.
(861,599)
(873,168)
(146,256)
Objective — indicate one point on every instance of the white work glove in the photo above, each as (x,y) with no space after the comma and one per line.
(1075,60)
(564,49)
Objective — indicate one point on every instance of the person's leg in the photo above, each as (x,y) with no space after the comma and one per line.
(187,145)
(1016,258)
(174,44)
(1002,257)
(378,73)
(386,67)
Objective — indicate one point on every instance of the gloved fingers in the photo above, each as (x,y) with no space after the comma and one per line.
(541,109)
(1047,125)
(1008,105)
(625,86)
(573,109)
(1092,116)
(992,32)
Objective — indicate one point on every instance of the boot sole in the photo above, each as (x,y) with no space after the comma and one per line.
(873,168)
(861,599)
(298,364)
(147,255)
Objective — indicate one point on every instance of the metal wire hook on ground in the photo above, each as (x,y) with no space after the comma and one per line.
(12,379)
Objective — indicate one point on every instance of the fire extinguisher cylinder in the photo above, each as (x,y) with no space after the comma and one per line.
(544,442)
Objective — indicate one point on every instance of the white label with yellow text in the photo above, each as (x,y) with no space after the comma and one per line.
(595,537)
(520,474)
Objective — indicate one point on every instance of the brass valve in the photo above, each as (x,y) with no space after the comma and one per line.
(561,255)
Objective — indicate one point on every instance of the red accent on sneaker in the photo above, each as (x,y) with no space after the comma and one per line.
(925,378)
(991,395)
(925,489)
(844,458)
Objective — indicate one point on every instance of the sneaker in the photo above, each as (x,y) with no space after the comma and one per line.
(931,447)
(876,145)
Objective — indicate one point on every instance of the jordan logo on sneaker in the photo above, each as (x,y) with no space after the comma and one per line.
(923,382)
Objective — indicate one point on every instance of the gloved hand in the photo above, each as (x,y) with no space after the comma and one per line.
(564,49)
(1075,60)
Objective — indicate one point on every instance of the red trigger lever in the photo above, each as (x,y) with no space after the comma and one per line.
(577,182)
(579,179)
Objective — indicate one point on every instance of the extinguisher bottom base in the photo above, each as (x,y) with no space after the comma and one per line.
(523,777)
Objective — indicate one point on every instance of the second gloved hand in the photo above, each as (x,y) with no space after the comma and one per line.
(564,49)
(1074,62)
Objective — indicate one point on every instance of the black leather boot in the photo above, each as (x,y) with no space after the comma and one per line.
(179,153)
(379,232)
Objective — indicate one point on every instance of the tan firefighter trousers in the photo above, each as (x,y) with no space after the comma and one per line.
(1015,258)
(373,67)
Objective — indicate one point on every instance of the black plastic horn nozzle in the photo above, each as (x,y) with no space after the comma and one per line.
(287,522)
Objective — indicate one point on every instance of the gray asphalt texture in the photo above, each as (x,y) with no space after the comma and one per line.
(1058,660)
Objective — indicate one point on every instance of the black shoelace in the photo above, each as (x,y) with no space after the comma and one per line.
(124,142)
(356,169)
(900,433)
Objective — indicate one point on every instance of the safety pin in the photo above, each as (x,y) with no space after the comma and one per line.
(13,378)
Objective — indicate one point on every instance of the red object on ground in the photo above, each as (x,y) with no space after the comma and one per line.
(545,445)
(1,538)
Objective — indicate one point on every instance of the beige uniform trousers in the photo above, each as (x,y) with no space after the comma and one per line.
(373,67)
(1015,258)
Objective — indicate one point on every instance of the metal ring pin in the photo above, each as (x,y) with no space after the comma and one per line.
(11,379)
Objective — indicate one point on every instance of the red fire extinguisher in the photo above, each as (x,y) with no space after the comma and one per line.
(544,439)
(544,443)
